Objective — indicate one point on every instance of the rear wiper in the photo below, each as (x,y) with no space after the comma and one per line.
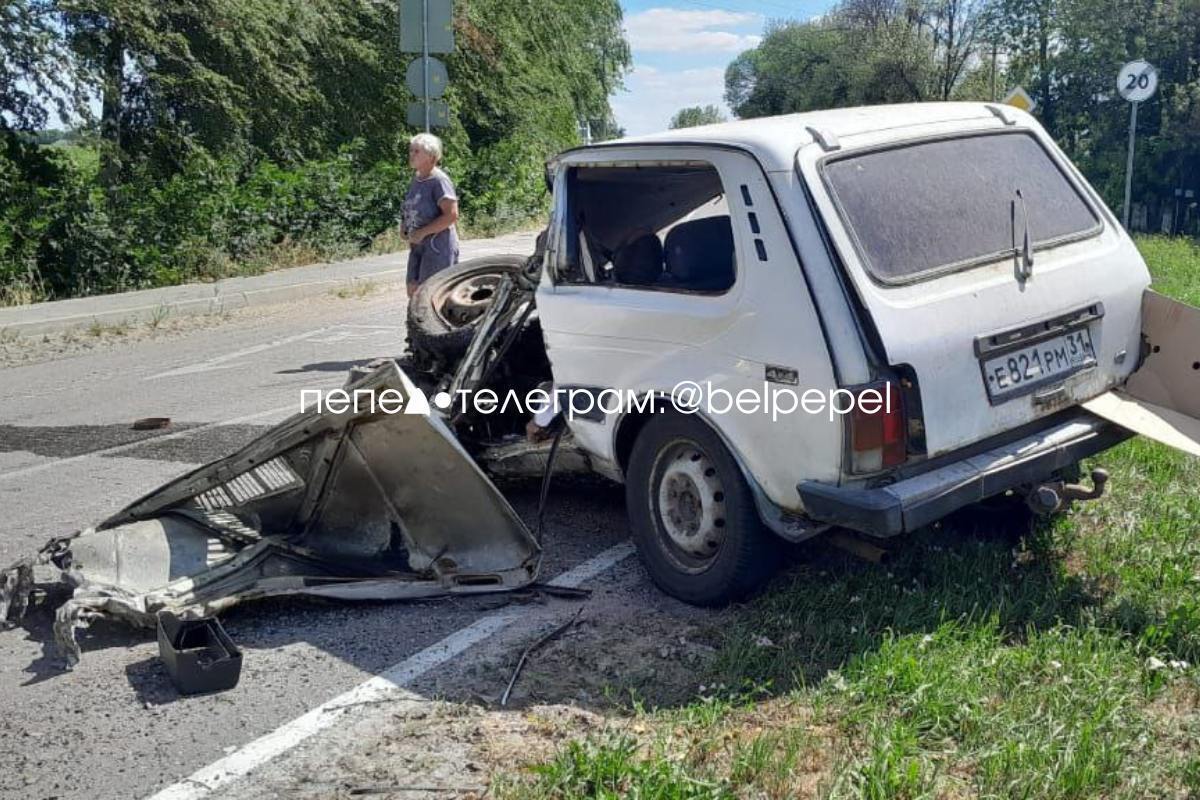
(1026,269)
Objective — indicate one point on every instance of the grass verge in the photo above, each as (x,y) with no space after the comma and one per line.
(991,657)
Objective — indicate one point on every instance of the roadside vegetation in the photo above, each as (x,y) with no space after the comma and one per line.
(209,139)
(977,661)
(145,143)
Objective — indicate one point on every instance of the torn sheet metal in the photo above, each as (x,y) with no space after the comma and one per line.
(361,505)
(524,459)
(1161,400)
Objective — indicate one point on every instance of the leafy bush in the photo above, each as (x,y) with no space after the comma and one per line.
(61,236)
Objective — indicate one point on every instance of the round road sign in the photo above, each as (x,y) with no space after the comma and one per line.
(414,78)
(1138,81)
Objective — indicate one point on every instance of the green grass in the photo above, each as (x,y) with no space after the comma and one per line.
(977,663)
(1175,264)
(85,157)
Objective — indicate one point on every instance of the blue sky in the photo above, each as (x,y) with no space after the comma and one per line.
(681,49)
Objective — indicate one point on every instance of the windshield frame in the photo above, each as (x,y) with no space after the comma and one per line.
(1081,191)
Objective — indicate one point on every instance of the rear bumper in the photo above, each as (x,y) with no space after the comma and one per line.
(916,501)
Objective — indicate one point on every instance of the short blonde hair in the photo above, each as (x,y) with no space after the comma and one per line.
(428,143)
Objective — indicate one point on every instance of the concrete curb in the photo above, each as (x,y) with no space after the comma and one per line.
(219,303)
(231,294)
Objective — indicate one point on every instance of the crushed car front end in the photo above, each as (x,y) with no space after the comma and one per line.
(323,505)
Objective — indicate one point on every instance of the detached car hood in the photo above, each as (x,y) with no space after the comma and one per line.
(357,505)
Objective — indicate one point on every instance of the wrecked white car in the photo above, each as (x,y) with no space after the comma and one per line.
(946,259)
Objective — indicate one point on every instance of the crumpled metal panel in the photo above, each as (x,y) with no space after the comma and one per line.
(357,505)
(1161,399)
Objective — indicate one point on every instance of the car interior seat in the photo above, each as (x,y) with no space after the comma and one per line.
(639,262)
(700,255)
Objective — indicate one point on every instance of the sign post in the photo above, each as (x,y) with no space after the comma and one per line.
(426,27)
(1137,82)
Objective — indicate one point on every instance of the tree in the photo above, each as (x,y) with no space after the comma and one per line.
(797,67)
(1068,52)
(862,52)
(35,71)
(694,116)
(233,128)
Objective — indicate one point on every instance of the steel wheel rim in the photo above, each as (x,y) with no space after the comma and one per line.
(689,504)
(463,302)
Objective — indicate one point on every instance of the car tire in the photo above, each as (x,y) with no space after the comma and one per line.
(443,314)
(682,487)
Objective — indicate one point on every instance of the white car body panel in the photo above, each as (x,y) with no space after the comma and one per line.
(931,323)
(813,307)
(640,340)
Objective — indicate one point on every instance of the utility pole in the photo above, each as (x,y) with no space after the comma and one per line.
(995,55)
(425,59)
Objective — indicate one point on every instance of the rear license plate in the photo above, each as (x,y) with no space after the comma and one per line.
(1022,370)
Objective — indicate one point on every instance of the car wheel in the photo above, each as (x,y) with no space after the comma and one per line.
(443,314)
(693,515)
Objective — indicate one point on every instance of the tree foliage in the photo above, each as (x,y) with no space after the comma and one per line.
(229,129)
(861,52)
(693,116)
(35,67)
(1066,53)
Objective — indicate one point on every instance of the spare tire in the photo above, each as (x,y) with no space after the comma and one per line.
(443,314)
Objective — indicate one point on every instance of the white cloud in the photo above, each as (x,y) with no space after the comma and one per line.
(672,30)
(655,95)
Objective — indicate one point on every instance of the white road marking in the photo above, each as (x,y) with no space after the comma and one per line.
(120,448)
(217,362)
(336,334)
(387,684)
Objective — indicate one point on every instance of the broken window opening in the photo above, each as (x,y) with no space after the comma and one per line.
(664,227)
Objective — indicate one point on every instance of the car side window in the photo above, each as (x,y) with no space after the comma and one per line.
(663,227)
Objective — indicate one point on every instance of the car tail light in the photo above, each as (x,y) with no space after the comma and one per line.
(878,428)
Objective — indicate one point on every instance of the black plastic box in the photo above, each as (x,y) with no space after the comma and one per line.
(199,655)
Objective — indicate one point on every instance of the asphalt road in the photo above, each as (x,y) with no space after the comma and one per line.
(114,727)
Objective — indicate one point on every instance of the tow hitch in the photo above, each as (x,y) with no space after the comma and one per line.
(1049,498)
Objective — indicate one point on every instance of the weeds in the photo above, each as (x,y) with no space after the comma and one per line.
(357,290)
(1058,664)
(159,316)
(18,294)
(100,329)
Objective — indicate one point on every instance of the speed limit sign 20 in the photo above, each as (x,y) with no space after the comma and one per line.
(1138,81)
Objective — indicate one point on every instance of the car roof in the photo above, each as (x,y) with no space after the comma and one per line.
(775,140)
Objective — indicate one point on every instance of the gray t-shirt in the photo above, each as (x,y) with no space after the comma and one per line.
(421,208)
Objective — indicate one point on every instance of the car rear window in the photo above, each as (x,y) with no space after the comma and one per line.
(936,206)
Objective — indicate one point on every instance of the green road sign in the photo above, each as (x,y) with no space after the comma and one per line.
(439,114)
(416,16)
(438,78)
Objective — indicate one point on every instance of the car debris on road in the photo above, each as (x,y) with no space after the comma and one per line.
(319,506)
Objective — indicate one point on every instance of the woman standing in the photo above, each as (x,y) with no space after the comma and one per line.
(430,213)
